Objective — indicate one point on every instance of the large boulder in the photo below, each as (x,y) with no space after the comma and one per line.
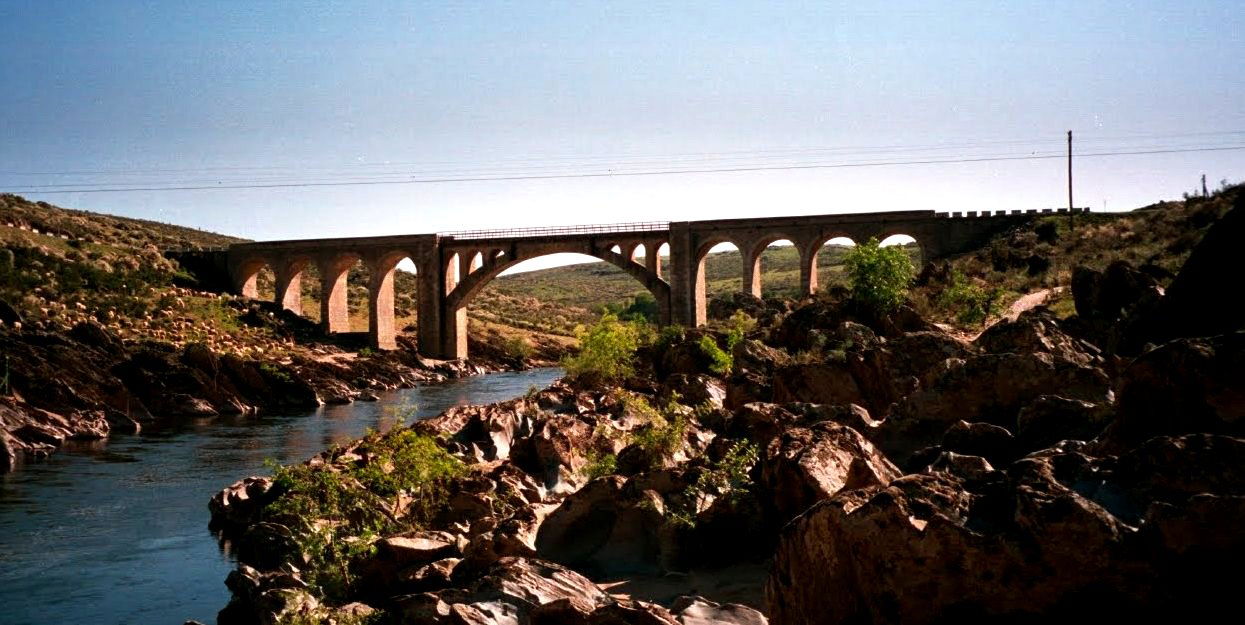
(487,431)
(827,382)
(1187,385)
(610,526)
(1106,296)
(1036,330)
(915,354)
(239,504)
(990,388)
(1194,304)
(555,449)
(805,465)
(1051,418)
(507,592)
(1058,534)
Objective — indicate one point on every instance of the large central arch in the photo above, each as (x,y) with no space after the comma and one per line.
(469,266)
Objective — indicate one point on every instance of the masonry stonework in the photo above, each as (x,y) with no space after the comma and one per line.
(452,269)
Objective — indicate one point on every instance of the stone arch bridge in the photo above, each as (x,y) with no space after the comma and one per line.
(452,268)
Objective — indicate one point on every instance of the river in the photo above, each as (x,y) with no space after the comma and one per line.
(115,532)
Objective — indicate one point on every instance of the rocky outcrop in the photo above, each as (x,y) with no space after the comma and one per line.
(1187,385)
(991,388)
(611,526)
(1193,305)
(1037,331)
(805,465)
(1056,534)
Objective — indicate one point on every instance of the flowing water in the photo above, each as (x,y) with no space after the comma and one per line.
(116,531)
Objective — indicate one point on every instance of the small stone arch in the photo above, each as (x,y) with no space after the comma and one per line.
(752,259)
(289,282)
(334,290)
(246,275)
(810,278)
(382,300)
(908,241)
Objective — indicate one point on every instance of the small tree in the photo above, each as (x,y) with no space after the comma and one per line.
(606,351)
(879,275)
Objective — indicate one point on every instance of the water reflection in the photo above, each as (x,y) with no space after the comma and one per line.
(116,531)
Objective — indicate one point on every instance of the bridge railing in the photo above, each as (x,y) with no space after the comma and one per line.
(510,233)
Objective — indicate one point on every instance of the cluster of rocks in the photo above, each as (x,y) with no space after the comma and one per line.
(86,382)
(902,475)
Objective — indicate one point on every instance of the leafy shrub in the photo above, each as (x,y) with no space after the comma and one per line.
(366,352)
(970,303)
(740,324)
(337,516)
(606,352)
(720,362)
(728,477)
(667,337)
(275,372)
(643,307)
(879,275)
(600,465)
(518,348)
(665,431)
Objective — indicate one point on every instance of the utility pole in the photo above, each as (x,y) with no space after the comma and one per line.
(1205,193)
(1070,171)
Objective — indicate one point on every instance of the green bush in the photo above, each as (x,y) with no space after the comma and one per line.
(970,303)
(729,477)
(518,348)
(337,516)
(276,372)
(600,465)
(879,276)
(667,337)
(606,352)
(643,307)
(664,433)
(719,361)
(740,324)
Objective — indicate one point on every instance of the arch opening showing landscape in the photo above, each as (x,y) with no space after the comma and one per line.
(451,268)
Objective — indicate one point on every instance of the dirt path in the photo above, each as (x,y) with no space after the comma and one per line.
(1026,302)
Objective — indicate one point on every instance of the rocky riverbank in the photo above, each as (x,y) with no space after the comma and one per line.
(84,382)
(844,467)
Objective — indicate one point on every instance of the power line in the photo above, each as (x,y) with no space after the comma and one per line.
(611,174)
(695,156)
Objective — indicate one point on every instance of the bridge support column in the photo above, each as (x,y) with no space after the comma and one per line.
(442,331)
(752,272)
(431,298)
(334,312)
(687,278)
(808,270)
(652,261)
(290,287)
(380,307)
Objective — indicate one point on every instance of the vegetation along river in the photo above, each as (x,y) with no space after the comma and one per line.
(116,531)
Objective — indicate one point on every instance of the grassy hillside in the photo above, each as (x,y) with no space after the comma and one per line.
(1038,259)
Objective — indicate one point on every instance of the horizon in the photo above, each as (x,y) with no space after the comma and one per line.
(399,118)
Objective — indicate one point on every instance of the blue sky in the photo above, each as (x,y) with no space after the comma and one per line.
(164,93)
